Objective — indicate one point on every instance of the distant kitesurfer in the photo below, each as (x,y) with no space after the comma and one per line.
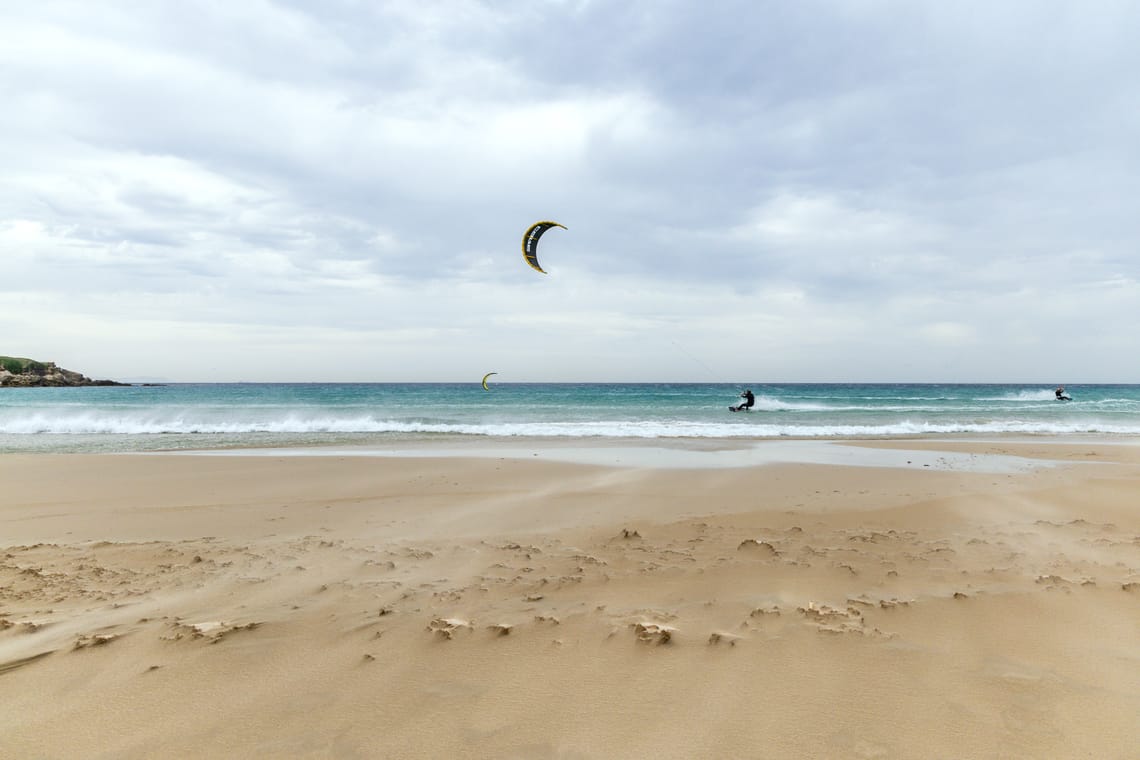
(748,403)
(1060,393)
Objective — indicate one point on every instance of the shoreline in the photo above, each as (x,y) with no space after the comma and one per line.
(507,606)
(985,454)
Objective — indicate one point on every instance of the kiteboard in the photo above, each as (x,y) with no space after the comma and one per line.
(739,409)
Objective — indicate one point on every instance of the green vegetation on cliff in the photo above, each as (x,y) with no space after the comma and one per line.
(16,364)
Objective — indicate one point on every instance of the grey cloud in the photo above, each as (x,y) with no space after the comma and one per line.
(271,163)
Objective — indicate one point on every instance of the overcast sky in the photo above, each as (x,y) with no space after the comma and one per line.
(334,190)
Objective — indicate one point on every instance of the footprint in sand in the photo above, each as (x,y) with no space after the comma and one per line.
(94,640)
(656,634)
(765,612)
(212,631)
(447,628)
(724,638)
(756,548)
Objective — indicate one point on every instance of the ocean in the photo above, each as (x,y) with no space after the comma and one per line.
(238,415)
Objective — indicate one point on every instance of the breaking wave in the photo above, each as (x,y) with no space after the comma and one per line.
(750,427)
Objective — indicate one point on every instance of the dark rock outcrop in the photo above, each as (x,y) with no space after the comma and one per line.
(27,373)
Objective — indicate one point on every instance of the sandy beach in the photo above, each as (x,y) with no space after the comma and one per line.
(630,606)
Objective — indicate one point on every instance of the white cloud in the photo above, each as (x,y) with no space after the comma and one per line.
(825,222)
(948,333)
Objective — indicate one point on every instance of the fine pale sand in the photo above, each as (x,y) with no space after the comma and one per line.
(338,606)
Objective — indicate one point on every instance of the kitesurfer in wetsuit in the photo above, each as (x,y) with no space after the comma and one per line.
(1060,393)
(749,401)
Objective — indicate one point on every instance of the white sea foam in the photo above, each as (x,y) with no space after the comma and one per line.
(770,404)
(749,427)
(1043,394)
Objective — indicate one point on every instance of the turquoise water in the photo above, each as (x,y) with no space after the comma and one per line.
(180,416)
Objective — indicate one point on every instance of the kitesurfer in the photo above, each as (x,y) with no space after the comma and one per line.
(748,403)
(1060,393)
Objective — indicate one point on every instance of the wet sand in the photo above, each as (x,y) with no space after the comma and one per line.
(505,605)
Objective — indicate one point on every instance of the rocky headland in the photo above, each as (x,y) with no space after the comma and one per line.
(16,372)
